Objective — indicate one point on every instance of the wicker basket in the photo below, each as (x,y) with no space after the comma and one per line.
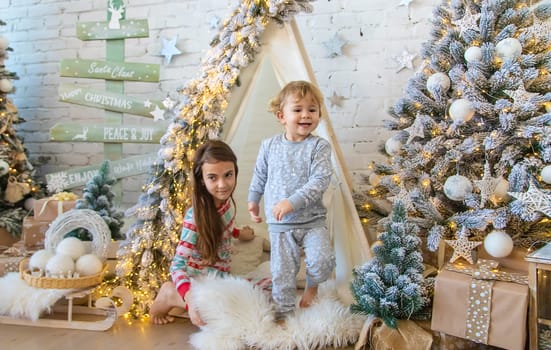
(58,283)
(63,224)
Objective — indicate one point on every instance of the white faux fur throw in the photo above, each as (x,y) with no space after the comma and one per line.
(239,316)
(19,300)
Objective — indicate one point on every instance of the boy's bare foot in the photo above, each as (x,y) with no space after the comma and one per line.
(166,299)
(309,297)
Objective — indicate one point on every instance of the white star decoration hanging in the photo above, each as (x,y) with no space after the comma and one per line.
(147,103)
(535,200)
(405,60)
(169,49)
(486,185)
(467,22)
(417,129)
(336,100)
(334,45)
(462,247)
(158,114)
(520,96)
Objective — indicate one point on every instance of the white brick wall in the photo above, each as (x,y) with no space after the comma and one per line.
(42,33)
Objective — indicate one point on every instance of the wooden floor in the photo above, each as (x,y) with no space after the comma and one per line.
(140,335)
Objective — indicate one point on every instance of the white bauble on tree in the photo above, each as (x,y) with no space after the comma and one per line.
(461,110)
(501,191)
(4,167)
(457,187)
(72,247)
(498,244)
(546,174)
(393,146)
(5,85)
(473,54)
(88,265)
(509,48)
(60,265)
(438,80)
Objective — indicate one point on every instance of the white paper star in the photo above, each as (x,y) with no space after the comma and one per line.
(169,49)
(405,3)
(462,247)
(405,60)
(417,129)
(158,114)
(334,45)
(336,100)
(468,22)
(535,199)
(520,96)
(147,103)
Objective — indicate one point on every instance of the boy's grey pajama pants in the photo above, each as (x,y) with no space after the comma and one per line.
(285,258)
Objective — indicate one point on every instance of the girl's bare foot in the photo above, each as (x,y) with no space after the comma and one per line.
(166,299)
(309,297)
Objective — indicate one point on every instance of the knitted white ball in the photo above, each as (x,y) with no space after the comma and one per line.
(39,259)
(88,265)
(71,246)
(498,244)
(457,187)
(60,265)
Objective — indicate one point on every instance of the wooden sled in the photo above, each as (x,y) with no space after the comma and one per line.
(100,317)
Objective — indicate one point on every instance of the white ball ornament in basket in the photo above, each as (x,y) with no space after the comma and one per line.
(63,224)
(38,260)
(498,244)
(457,187)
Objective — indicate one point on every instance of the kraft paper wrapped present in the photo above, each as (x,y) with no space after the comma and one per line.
(34,232)
(6,239)
(505,311)
(47,209)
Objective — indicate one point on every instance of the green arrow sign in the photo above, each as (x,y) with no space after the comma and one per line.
(109,70)
(119,168)
(107,133)
(109,100)
(129,28)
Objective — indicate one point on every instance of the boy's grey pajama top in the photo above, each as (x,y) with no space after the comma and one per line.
(300,172)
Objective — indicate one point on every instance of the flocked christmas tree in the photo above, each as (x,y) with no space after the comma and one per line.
(98,195)
(16,172)
(145,256)
(391,285)
(472,147)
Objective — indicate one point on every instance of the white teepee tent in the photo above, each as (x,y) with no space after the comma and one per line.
(283,59)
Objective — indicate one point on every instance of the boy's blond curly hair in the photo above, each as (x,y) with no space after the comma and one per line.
(300,88)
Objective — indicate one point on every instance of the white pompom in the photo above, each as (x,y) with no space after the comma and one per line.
(498,244)
(39,259)
(438,80)
(72,247)
(461,110)
(60,265)
(509,48)
(88,265)
(546,174)
(393,146)
(473,54)
(457,187)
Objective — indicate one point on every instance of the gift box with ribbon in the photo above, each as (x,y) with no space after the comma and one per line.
(34,232)
(482,303)
(47,209)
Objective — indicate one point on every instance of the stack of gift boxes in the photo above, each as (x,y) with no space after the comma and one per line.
(34,228)
(484,303)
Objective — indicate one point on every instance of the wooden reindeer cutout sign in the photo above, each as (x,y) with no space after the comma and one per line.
(116,14)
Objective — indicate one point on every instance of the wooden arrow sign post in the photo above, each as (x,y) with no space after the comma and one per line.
(113,133)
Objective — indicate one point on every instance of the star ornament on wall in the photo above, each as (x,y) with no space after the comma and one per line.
(169,49)
(336,100)
(405,60)
(334,45)
(462,247)
(158,114)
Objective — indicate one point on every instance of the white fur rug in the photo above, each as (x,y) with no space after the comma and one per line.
(19,300)
(239,316)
